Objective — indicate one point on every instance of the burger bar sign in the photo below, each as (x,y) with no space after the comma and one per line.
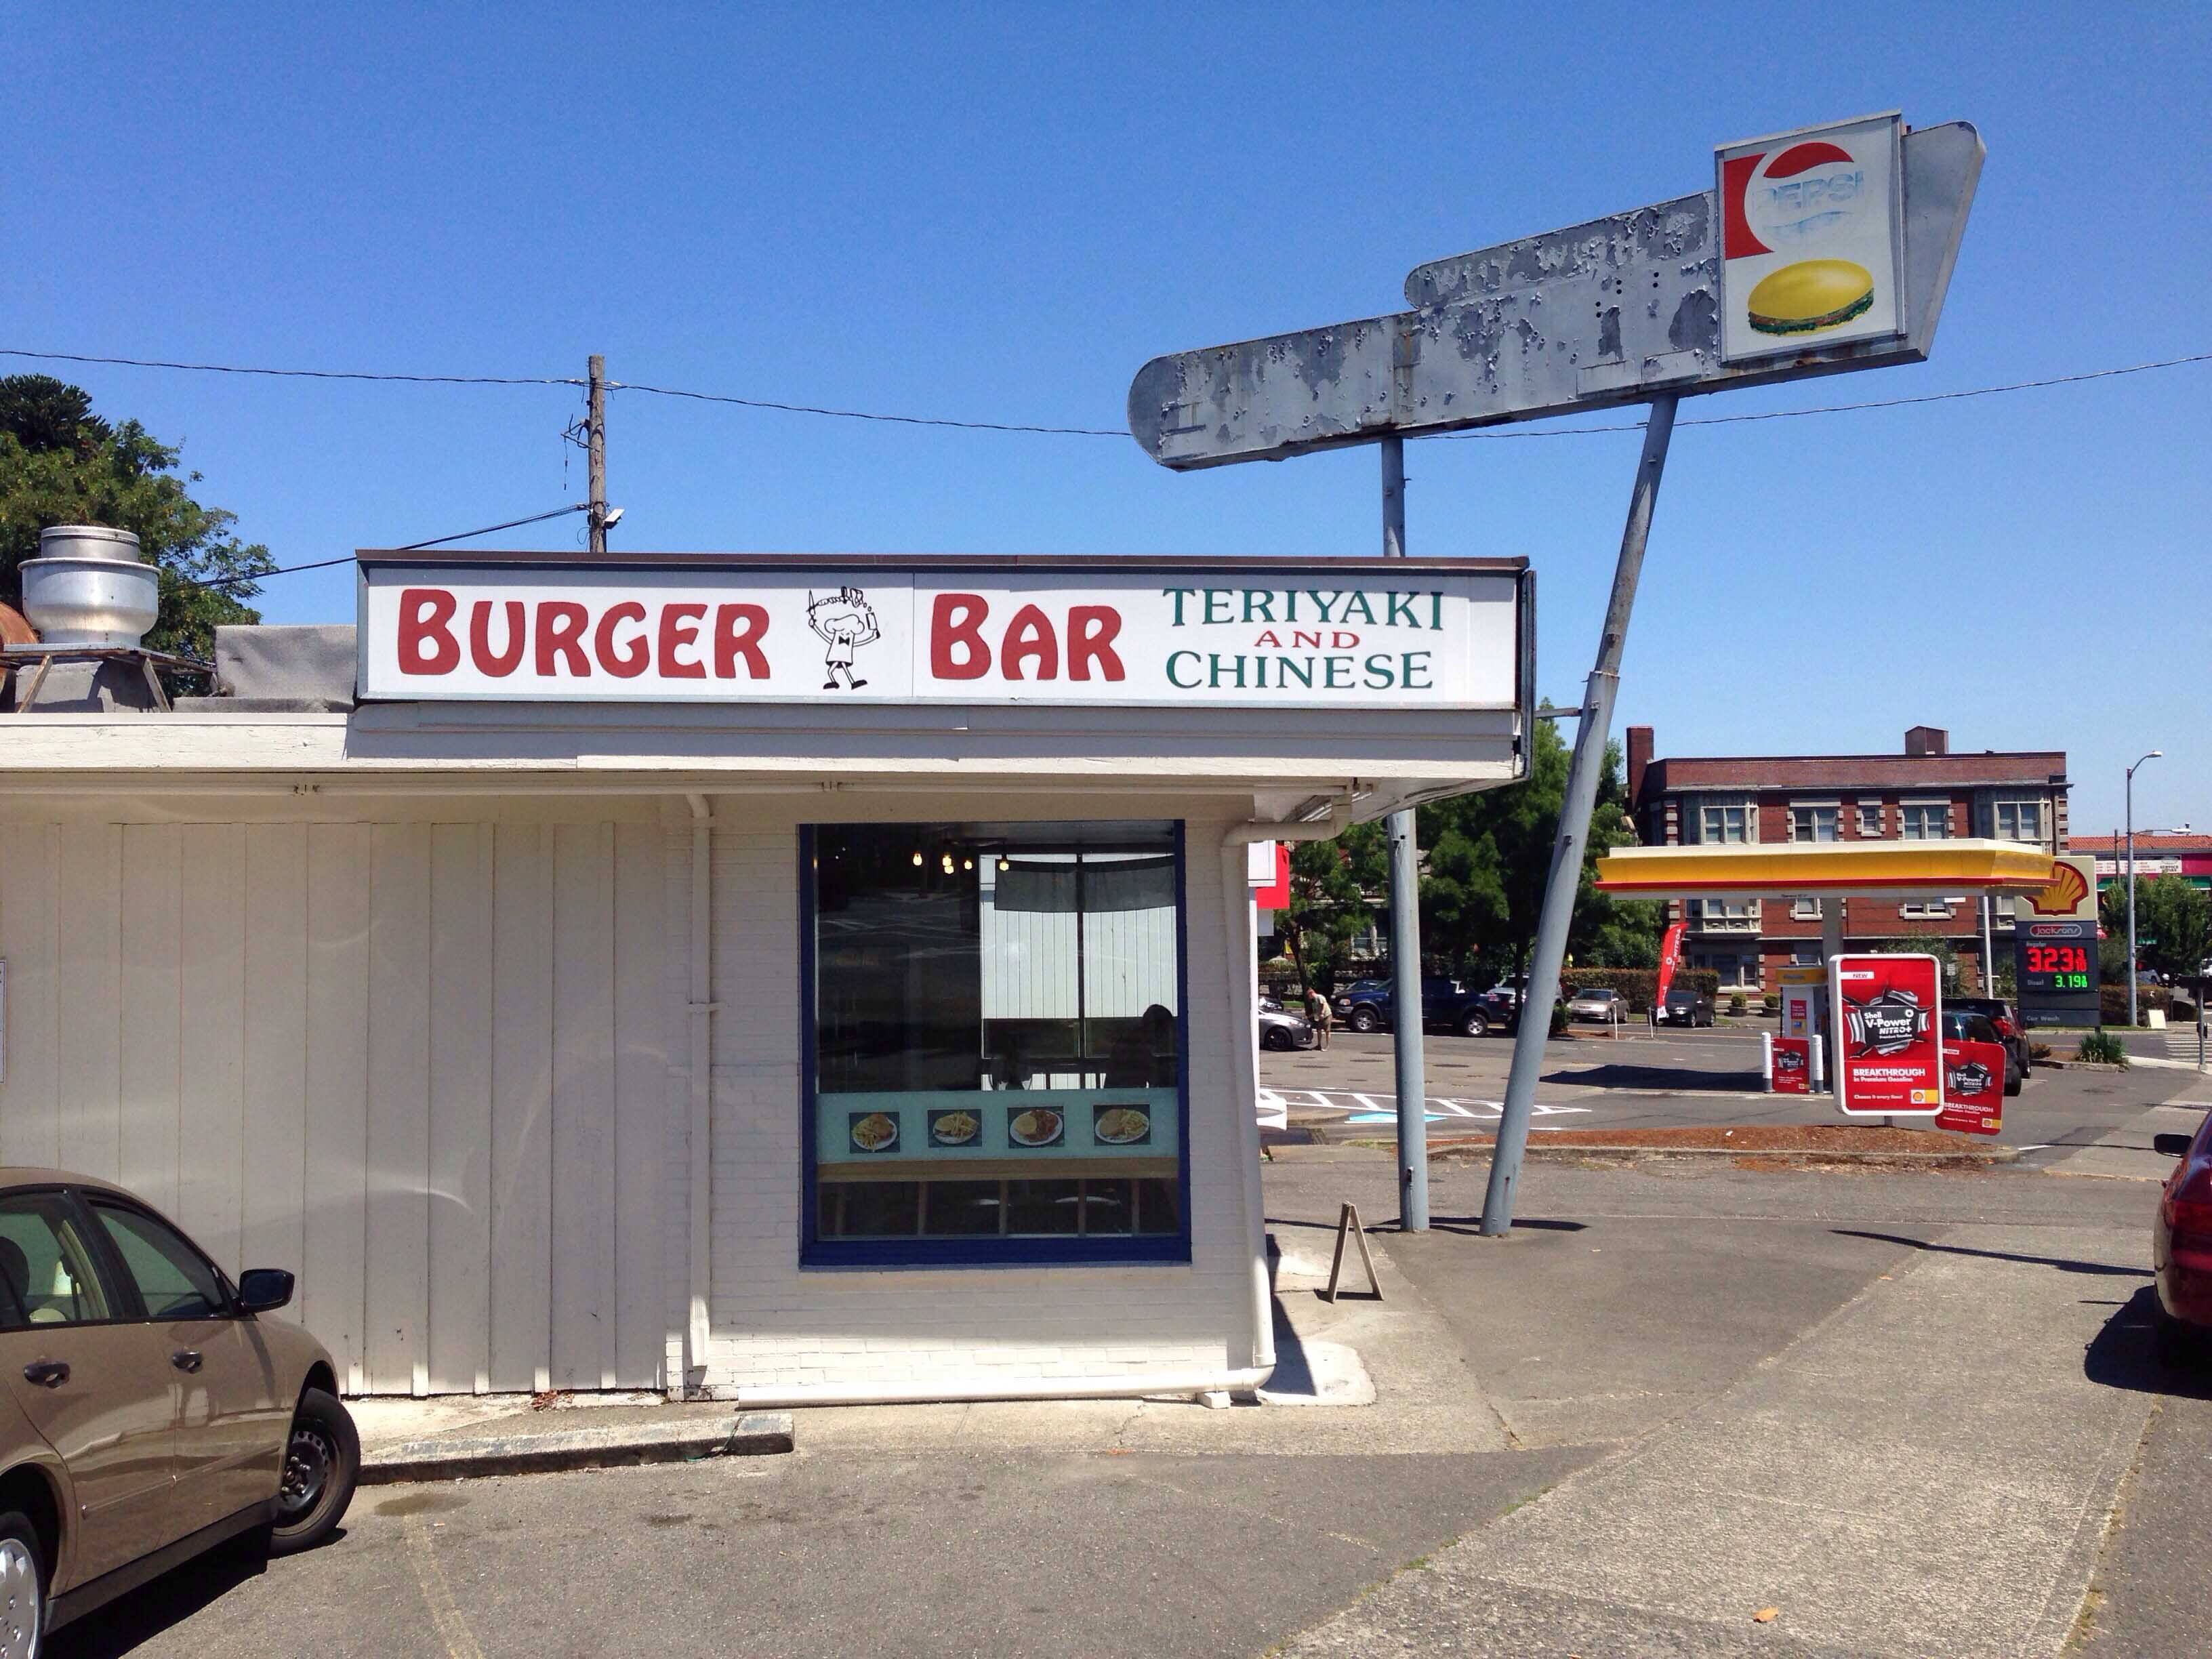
(1433,635)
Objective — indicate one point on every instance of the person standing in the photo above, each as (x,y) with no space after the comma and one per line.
(1318,1011)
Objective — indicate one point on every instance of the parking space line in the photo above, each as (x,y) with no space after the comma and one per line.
(437,1593)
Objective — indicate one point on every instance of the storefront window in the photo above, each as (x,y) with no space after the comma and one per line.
(995,1043)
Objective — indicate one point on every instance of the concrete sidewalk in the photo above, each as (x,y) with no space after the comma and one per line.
(1928,1470)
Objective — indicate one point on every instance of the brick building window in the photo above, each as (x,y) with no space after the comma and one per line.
(1814,823)
(1870,820)
(1740,916)
(2019,820)
(1923,820)
(1732,822)
(1805,910)
(994,1046)
(1936,910)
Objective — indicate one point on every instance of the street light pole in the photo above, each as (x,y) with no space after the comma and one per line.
(2153,755)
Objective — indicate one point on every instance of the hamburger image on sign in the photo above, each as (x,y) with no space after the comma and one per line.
(1810,238)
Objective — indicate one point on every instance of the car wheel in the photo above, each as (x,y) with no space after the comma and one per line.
(2014,1083)
(1474,1025)
(23,1588)
(322,1460)
(1276,1038)
(1365,1019)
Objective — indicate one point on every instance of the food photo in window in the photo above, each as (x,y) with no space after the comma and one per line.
(996,1067)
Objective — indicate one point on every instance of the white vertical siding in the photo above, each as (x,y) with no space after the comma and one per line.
(151,978)
(87,1011)
(333,1283)
(274,1152)
(522,1109)
(583,1092)
(30,884)
(211,1127)
(460,1108)
(422,1062)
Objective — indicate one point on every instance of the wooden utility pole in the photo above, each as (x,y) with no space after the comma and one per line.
(595,446)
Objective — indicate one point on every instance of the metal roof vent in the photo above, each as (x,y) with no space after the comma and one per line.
(89,587)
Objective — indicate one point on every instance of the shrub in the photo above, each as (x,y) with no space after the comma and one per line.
(2103,1049)
(1559,1019)
(2181,1010)
(1735,1003)
(2113,1000)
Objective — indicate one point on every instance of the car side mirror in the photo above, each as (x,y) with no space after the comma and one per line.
(263,1290)
(2174,1145)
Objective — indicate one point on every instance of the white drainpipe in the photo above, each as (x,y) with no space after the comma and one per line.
(700,1009)
(1236,894)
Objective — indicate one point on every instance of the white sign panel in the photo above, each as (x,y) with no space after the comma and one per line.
(1812,226)
(1318,637)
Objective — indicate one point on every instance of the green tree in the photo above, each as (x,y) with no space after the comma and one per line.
(1489,855)
(1330,882)
(2173,925)
(61,464)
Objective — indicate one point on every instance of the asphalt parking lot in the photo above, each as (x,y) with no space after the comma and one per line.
(1641,1079)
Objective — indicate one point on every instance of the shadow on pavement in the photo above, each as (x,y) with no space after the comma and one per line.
(1647,1079)
(2065,1264)
(1471,1225)
(1293,1373)
(2125,1355)
(147,1612)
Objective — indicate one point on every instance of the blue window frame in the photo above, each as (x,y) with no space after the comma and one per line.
(994,1044)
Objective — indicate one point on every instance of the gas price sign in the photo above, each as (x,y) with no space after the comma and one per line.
(2055,965)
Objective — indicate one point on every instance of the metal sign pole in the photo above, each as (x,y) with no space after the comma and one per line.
(1405,928)
(1588,760)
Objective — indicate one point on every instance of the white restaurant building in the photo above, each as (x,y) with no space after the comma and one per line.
(784,979)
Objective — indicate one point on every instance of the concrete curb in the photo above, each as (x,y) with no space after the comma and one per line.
(1793,1154)
(467,1456)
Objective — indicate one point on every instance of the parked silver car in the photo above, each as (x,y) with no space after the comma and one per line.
(1603,1004)
(1280,1029)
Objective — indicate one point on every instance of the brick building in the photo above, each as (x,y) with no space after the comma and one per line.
(2158,853)
(1926,793)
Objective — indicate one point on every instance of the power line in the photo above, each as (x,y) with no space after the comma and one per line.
(406,547)
(293,373)
(863,415)
(1849,408)
(833,413)
(534,518)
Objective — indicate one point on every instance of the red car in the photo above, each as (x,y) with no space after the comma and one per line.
(2181,1246)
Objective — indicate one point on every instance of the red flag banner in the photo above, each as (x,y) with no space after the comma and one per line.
(1670,957)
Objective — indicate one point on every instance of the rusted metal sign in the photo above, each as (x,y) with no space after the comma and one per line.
(1586,318)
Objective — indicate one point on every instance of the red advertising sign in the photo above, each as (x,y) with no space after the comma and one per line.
(1973,1088)
(1888,1032)
(1276,895)
(1670,958)
(1793,1065)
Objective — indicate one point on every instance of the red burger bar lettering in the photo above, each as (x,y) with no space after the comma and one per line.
(959,651)
(625,641)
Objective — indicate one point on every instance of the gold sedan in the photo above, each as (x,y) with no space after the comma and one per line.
(147,1411)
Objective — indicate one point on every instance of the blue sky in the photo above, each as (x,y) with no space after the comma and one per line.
(998,213)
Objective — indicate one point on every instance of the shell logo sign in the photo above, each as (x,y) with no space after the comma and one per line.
(1810,232)
(2072,890)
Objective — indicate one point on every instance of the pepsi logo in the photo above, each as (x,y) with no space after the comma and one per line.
(1803,194)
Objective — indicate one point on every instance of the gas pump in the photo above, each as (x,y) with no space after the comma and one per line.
(1796,1055)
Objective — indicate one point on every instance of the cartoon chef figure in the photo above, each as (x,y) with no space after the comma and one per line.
(846,621)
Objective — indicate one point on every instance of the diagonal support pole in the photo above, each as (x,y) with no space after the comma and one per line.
(1559,911)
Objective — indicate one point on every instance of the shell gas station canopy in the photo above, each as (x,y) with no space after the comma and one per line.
(1886,869)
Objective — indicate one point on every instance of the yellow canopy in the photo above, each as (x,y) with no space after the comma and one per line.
(1868,869)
